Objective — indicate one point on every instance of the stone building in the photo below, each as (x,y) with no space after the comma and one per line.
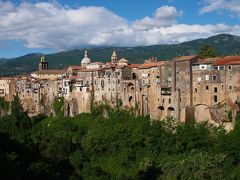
(44,73)
(7,88)
(183,88)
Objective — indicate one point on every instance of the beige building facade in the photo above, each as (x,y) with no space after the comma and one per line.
(183,88)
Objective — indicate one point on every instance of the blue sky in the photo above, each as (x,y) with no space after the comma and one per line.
(51,26)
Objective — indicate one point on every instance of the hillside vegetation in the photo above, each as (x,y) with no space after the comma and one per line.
(117,146)
(224,44)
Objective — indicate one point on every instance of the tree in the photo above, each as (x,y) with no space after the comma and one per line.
(58,106)
(207,51)
(17,111)
(4,106)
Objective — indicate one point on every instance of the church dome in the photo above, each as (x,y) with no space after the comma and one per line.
(86,59)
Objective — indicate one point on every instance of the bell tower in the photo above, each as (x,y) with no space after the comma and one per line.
(114,57)
(43,65)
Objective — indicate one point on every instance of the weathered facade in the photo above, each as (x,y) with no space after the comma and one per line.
(185,87)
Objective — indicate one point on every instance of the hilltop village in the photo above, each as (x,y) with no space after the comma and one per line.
(183,88)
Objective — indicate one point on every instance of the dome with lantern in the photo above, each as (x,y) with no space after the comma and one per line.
(86,60)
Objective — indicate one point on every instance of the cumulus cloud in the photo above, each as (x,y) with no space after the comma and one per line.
(217,5)
(163,16)
(49,25)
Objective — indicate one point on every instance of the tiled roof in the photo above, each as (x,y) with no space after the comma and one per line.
(6,78)
(148,65)
(185,58)
(228,60)
(134,65)
(160,63)
(208,60)
(234,63)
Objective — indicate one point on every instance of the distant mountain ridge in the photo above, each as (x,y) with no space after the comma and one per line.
(224,44)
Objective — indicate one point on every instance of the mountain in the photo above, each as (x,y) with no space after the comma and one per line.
(224,44)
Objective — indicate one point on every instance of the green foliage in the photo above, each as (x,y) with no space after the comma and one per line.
(230,116)
(207,51)
(22,119)
(116,146)
(58,106)
(4,106)
(193,165)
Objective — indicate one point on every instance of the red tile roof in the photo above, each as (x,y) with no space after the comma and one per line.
(228,60)
(134,65)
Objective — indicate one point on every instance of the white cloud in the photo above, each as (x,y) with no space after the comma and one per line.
(218,5)
(48,25)
(163,16)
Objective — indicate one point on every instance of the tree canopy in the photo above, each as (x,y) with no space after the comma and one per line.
(116,146)
(207,51)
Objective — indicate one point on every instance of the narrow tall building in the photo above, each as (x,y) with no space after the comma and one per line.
(114,57)
(43,65)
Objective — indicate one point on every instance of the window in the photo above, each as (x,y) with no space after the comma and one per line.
(102,83)
(221,68)
(169,100)
(163,101)
(195,90)
(215,98)
(230,87)
(215,89)
(229,67)
(207,77)
(207,88)
(214,77)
